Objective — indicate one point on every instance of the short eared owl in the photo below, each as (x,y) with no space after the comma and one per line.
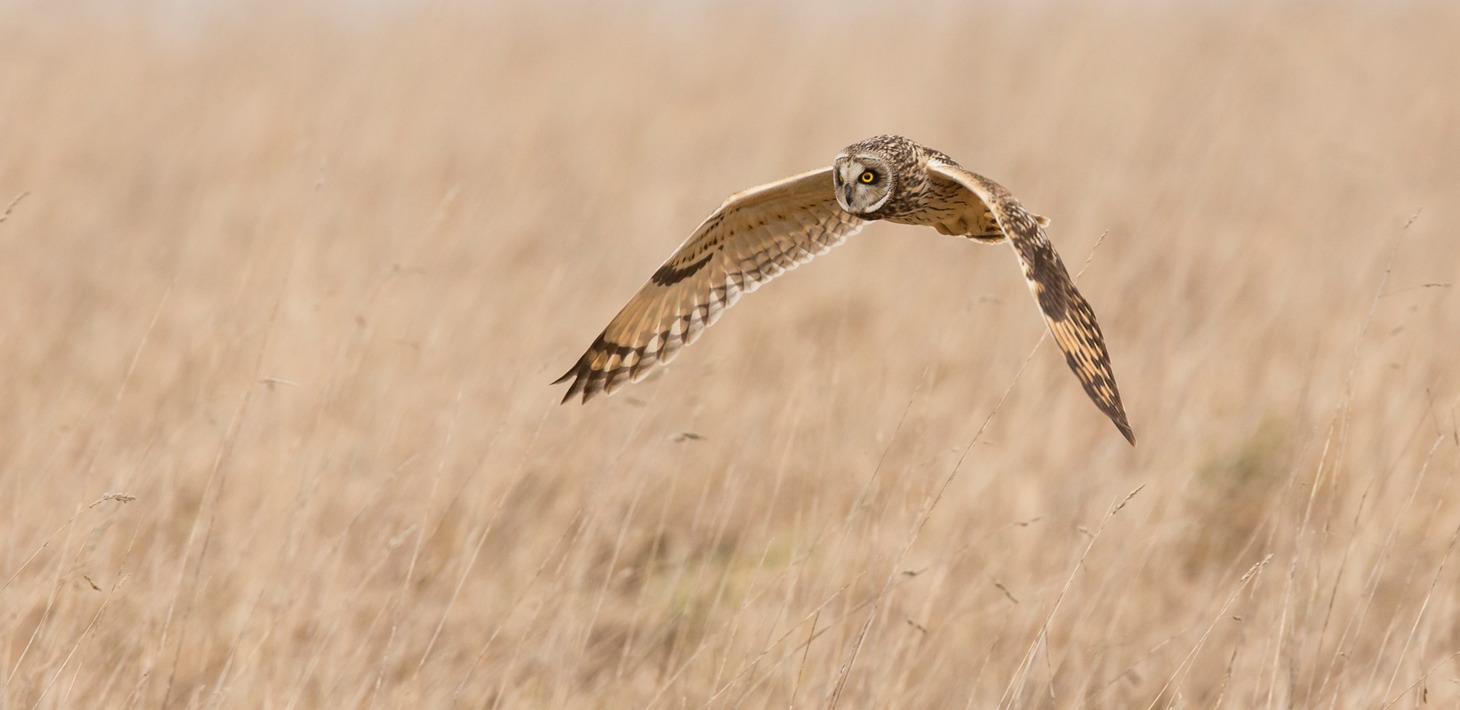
(760,233)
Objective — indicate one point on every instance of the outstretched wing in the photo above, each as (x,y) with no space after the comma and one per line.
(754,237)
(1070,318)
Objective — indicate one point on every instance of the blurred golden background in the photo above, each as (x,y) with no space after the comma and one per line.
(285,288)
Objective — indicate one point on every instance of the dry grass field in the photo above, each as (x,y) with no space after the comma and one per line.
(283,295)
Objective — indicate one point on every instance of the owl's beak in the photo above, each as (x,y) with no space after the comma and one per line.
(847,196)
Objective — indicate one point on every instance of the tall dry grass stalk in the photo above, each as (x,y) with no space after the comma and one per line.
(278,315)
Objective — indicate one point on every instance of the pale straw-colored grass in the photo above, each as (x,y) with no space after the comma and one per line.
(281,302)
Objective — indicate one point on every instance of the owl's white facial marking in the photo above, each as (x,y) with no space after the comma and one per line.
(863,183)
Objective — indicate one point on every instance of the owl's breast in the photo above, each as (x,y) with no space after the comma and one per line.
(944,206)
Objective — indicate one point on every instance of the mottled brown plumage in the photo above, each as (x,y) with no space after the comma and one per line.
(758,234)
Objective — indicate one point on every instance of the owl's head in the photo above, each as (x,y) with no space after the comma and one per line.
(866,174)
(863,181)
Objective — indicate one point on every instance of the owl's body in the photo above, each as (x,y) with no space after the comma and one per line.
(760,233)
(920,199)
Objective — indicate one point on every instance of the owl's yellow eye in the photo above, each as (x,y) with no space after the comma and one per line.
(868,177)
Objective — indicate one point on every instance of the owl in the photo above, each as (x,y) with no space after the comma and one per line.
(761,233)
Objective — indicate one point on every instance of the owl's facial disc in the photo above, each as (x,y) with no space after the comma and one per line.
(862,183)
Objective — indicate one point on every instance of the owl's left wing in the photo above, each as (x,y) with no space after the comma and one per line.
(755,236)
(1070,318)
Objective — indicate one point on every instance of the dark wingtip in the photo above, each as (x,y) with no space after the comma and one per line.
(1116,412)
(1126,431)
(576,374)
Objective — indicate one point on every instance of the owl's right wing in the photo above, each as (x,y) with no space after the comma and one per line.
(755,236)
